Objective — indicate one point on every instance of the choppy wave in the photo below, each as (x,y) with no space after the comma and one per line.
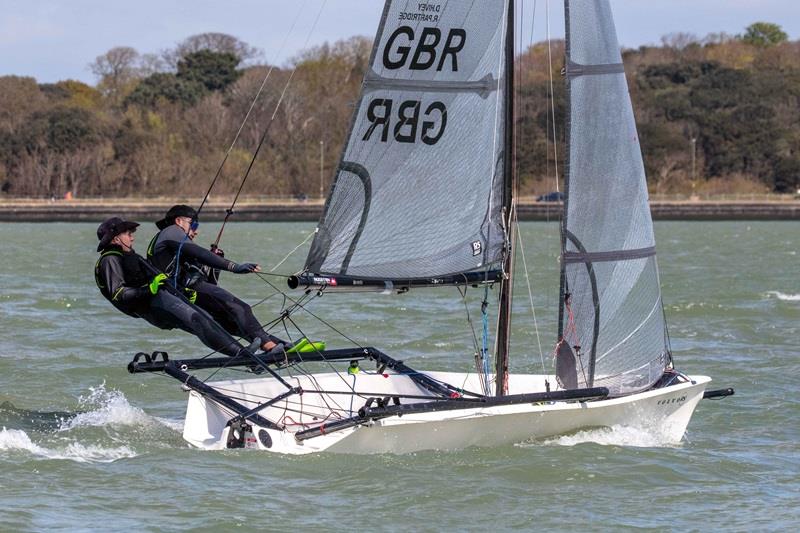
(105,408)
(173,424)
(26,419)
(18,440)
(63,435)
(614,436)
(783,296)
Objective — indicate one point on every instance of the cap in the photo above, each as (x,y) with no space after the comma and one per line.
(174,212)
(111,228)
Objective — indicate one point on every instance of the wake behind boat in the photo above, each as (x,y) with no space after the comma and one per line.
(424,196)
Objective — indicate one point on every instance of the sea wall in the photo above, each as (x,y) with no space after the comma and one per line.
(296,211)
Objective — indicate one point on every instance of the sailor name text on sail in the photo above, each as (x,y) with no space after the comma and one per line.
(426,12)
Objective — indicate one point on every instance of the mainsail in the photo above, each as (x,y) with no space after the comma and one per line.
(612,300)
(419,191)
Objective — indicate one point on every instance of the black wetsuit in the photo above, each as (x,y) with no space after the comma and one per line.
(124,278)
(172,247)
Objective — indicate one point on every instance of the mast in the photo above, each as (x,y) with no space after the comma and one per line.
(509,186)
(563,224)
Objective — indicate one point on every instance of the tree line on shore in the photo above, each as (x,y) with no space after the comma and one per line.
(717,114)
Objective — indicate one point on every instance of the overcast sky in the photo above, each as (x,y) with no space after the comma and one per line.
(54,40)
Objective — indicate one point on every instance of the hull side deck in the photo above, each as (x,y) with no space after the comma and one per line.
(667,410)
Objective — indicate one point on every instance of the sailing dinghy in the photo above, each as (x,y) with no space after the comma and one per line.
(424,197)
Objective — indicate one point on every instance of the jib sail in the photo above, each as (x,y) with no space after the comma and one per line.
(612,299)
(418,192)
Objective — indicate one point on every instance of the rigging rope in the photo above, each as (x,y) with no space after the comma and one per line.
(299,305)
(311,234)
(485,341)
(178,257)
(229,211)
(552,98)
(530,297)
(250,109)
(519,233)
(475,345)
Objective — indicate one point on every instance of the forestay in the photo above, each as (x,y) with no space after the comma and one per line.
(418,191)
(609,264)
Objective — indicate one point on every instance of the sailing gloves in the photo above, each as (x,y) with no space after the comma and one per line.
(245,268)
(191,295)
(157,282)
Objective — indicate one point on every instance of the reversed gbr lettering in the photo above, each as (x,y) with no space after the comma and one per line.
(406,121)
(421,52)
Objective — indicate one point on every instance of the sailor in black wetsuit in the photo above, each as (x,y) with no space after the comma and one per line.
(172,251)
(135,288)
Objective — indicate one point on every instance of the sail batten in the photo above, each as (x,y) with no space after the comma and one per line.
(483,87)
(609,271)
(417,191)
(576,69)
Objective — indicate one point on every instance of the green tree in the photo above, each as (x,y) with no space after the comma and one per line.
(169,87)
(21,97)
(787,174)
(737,125)
(215,70)
(764,34)
(216,42)
(61,129)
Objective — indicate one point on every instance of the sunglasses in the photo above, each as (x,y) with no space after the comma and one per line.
(193,223)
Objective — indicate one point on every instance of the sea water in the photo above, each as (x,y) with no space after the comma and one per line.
(86,446)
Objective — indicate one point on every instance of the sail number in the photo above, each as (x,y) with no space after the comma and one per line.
(426,50)
(407,122)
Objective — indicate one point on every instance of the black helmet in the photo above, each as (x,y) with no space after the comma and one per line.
(174,212)
(111,228)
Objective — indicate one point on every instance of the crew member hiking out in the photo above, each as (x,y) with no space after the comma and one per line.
(189,266)
(134,287)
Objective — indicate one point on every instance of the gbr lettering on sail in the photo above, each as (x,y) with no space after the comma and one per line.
(411,121)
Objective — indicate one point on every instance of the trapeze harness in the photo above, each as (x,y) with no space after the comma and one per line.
(182,273)
(135,278)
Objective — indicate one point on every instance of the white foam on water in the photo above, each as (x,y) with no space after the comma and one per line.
(109,408)
(18,440)
(784,297)
(96,454)
(636,437)
(171,423)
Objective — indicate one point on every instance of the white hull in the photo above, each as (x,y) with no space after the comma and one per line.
(665,410)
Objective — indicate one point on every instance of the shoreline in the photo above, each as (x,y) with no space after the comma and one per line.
(97,210)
